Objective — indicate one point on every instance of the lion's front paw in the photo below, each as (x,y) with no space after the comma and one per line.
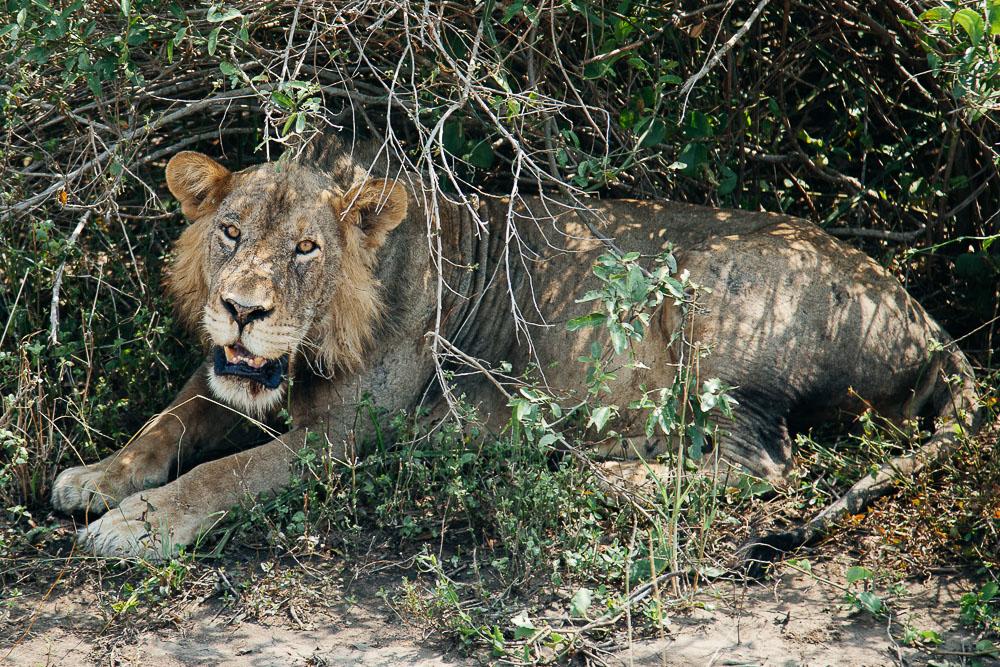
(149,524)
(90,489)
(100,487)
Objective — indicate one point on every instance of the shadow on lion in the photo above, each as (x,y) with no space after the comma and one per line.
(313,282)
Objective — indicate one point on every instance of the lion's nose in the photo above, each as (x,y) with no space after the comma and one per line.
(242,313)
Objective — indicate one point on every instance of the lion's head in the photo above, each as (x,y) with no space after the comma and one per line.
(277,266)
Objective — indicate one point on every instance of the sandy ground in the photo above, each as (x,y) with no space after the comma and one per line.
(794,620)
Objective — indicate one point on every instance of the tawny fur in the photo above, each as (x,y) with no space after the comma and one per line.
(800,324)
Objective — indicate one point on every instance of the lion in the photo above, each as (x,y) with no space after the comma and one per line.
(313,283)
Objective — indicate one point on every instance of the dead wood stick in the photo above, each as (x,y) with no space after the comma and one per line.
(54,307)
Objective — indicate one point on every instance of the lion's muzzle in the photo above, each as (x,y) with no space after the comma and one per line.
(237,360)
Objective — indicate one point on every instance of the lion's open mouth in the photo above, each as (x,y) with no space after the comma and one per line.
(237,360)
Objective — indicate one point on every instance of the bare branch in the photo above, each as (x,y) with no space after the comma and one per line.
(57,284)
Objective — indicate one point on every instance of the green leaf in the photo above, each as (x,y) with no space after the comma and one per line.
(179,35)
(801,563)
(228,68)
(580,603)
(986,646)
(11,29)
(693,157)
(619,338)
(993,14)
(674,287)
(936,15)
(699,126)
(637,285)
(599,417)
(523,627)
(481,156)
(930,637)
(220,16)
(39,55)
(512,9)
(654,135)
(213,41)
(282,100)
(871,602)
(728,181)
(974,266)
(972,23)
(453,137)
(521,407)
(596,70)
(697,438)
(712,572)
(94,84)
(858,573)
(989,591)
(548,440)
(644,569)
(592,320)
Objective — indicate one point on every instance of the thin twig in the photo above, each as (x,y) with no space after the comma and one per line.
(57,285)
(692,81)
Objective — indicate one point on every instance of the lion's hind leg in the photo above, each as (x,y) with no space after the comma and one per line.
(756,441)
(950,395)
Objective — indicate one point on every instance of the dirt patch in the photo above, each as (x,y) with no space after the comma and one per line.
(801,621)
(797,619)
(64,631)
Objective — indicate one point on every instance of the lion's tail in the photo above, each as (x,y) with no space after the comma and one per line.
(951,391)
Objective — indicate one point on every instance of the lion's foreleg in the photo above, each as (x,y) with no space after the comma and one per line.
(147,460)
(155,523)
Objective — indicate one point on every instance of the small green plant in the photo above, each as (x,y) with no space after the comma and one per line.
(859,594)
(161,581)
(981,609)
(629,295)
(682,412)
(915,637)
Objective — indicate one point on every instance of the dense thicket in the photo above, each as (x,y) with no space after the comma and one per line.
(875,120)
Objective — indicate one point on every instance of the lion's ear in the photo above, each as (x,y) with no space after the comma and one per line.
(376,207)
(198,182)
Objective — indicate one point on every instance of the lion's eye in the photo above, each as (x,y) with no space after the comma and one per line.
(232,232)
(305,247)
